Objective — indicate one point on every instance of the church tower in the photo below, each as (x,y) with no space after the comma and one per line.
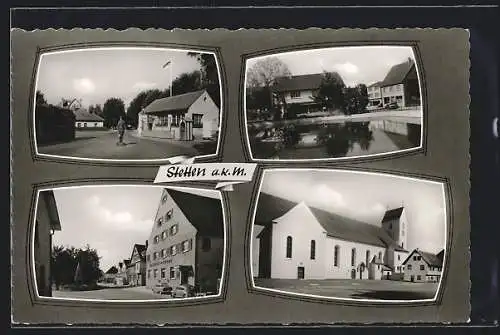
(395,224)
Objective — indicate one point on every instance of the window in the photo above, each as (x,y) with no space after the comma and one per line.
(85,125)
(155,255)
(164,198)
(353,257)
(336,252)
(422,267)
(168,215)
(148,258)
(197,123)
(408,266)
(159,222)
(163,272)
(289,247)
(78,125)
(186,245)
(95,124)
(313,249)
(157,239)
(206,244)
(175,120)
(164,235)
(399,257)
(414,258)
(367,257)
(172,272)
(174,250)
(380,255)
(155,273)
(419,277)
(173,230)
(149,273)
(163,252)
(295,94)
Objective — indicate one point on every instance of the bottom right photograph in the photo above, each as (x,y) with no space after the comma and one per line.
(349,235)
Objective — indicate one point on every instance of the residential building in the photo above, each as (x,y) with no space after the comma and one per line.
(302,242)
(302,90)
(401,85)
(186,116)
(422,266)
(111,274)
(186,245)
(136,271)
(374,94)
(86,120)
(47,221)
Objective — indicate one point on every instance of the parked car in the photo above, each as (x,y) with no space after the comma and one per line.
(392,105)
(183,291)
(162,289)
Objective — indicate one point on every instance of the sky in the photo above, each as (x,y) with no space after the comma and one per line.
(94,75)
(110,219)
(356,65)
(366,197)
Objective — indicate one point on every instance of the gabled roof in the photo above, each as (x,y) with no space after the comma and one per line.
(141,250)
(430,258)
(378,83)
(112,270)
(204,213)
(302,82)
(398,73)
(51,207)
(83,115)
(392,214)
(179,102)
(126,262)
(270,207)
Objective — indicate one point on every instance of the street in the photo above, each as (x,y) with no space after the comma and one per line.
(103,145)
(126,293)
(349,288)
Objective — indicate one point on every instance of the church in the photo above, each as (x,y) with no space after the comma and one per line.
(296,241)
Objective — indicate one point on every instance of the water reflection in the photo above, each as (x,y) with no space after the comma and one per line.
(332,140)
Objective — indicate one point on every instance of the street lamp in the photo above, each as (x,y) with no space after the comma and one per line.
(170,68)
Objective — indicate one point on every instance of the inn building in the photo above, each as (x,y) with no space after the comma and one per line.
(423,266)
(186,244)
(297,241)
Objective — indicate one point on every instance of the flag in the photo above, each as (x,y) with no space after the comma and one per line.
(166,64)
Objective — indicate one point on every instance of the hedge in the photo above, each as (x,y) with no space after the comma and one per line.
(54,124)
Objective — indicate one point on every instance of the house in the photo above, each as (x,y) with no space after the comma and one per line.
(374,94)
(47,222)
(302,242)
(401,85)
(186,116)
(136,270)
(302,90)
(422,266)
(86,120)
(186,245)
(110,275)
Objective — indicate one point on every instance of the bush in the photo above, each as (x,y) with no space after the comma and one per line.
(54,124)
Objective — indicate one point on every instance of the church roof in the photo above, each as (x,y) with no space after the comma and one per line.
(204,213)
(393,214)
(180,102)
(270,207)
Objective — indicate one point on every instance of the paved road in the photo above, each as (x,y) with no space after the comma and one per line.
(128,293)
(103,145)
(361,289)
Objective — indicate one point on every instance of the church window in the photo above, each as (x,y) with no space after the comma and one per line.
(399,257)
(313,249)
(380,256)
(289,247)
(336,253)
(353,257)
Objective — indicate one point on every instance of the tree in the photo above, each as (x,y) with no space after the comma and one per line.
(331,91)
(40,98)
(74,266)
(112,110)
(265,72)
(355,99)
(95,109)
(188,82)
(209,74)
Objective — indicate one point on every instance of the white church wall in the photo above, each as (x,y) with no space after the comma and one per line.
(301,224)
(344,268)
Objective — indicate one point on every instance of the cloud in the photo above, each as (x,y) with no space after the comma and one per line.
(84,85)
(143,85)
(347,68)
(326,197)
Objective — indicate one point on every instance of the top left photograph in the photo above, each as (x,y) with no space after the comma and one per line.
(127,103)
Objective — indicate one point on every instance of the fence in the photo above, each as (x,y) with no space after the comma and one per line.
(54,124)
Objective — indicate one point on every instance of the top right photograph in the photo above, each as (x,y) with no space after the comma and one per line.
(338,102)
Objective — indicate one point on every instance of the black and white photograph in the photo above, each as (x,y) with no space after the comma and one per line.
(127,103)
(332,103)
(128,243)
(349,235)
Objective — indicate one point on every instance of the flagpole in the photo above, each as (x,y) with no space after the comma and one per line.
(171,83)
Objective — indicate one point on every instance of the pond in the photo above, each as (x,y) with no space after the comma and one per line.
(343,139)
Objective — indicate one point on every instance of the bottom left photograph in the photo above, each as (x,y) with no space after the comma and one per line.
(128,242)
